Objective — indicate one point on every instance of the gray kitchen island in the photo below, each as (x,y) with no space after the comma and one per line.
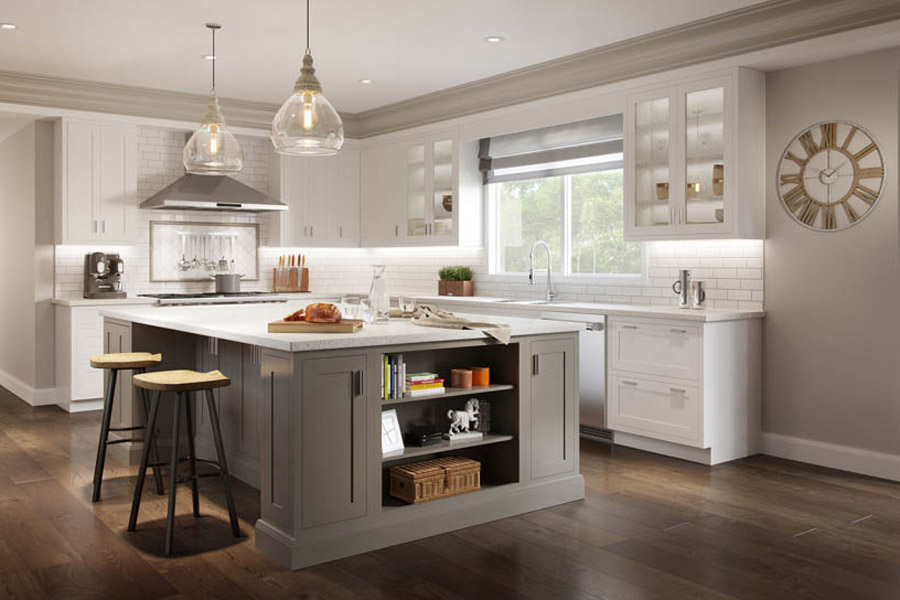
(302,420)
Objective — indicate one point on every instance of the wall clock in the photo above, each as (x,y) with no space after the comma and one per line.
(831,176)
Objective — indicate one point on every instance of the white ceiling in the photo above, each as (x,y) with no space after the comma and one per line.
(407,47)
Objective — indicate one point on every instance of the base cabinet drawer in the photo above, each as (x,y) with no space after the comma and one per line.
(657,349)
(667,411)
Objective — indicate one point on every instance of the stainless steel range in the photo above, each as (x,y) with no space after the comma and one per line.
(220,298)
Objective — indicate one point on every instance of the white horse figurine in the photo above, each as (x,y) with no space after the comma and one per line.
(461,420)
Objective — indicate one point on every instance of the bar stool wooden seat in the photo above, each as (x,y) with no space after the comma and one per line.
(122,361)
(182,383)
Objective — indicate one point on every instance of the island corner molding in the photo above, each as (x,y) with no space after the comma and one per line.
(757,27)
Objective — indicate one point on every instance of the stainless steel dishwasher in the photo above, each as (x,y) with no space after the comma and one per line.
(591,372)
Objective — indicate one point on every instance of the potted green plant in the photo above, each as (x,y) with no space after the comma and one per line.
(455,281)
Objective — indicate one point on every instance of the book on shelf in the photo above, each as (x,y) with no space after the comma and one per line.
(434,383)
(421,377)
(426,392)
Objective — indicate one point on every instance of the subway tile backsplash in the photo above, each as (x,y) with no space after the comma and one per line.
(732,269)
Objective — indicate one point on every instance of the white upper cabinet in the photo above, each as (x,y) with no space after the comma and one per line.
(694,159)
(322,194)
(414,193)
(96,182)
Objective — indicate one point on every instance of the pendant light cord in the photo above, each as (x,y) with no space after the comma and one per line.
(307,27)
(214,58)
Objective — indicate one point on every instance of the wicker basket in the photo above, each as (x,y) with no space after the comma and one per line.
(434,479)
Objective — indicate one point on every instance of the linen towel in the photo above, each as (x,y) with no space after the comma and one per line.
(432,316)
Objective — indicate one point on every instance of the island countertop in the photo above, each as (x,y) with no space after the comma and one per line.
(247,324)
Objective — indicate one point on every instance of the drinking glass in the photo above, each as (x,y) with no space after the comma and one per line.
(405,304)
(350,307)
(366,311)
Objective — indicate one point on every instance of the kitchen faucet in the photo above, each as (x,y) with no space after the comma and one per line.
(550,293)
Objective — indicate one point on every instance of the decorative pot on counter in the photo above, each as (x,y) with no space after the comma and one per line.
(456,288)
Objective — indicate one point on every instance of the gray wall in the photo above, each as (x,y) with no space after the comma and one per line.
(832,347)
(17,234)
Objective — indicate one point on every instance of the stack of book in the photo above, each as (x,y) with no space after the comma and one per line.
(423,384)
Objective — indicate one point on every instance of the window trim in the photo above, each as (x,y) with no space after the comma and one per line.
(566,276)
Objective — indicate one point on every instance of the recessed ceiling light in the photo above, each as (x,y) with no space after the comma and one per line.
(493,39)
(208,56)
(365,81)
(7,26)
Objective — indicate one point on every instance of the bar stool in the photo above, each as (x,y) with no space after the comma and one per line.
(124,361)
(183,382)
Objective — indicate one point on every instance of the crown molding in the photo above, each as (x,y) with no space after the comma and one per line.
(93,96)
(750,29)
(757,27)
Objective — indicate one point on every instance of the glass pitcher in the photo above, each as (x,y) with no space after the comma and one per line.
(378,294)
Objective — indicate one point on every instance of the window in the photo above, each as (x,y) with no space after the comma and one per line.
(571,197)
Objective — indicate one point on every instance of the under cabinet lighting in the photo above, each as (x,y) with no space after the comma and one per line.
(493,39)
(7,26)
(365,81)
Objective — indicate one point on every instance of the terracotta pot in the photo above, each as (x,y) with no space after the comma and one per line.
(455,288)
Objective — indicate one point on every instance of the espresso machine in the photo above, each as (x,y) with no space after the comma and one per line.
(103,276)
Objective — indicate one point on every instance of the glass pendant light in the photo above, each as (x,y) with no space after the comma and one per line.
(307,124)
(212,150)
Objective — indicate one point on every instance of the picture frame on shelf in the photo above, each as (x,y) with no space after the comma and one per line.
(391,434)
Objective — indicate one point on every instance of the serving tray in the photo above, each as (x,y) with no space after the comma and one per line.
(345,326)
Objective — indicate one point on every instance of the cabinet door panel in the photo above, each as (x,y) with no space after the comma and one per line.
(553,409)
(79,185)
(382,195)
(664,350)
(345,226)
(667,411)
(276,409)
(118,183)
(248,430)
(333,438)
(294,192)
(87,329)
(117,338)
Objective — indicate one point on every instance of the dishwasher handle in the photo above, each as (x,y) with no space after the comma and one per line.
(594,326)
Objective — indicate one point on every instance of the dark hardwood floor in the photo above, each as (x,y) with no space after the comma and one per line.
(650,527)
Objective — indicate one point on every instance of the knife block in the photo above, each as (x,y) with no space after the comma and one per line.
(290,279)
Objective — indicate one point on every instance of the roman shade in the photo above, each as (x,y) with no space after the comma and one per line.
(579,147)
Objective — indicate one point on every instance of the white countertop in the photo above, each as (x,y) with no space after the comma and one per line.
(103,302)
(618,310)
(247,324)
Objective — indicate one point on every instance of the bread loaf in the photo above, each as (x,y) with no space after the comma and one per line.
(323,312)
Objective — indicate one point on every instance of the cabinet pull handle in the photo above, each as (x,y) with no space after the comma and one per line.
(535,364)
(629,382)
(629,327)
(396,231)
(103,225)
(678,330)
(360,383)
(94,226)
(341,231)
(311,234)
(677,391)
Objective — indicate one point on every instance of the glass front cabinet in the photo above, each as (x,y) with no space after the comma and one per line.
(431,190)
(694,159)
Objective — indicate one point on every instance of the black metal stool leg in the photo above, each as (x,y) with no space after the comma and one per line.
(104,434)
(173,476)
(145,458)
(195,495)
(223,465)
(151,439)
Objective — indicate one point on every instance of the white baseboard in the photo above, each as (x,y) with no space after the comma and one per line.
(83,406)
(844,458)
(33,396)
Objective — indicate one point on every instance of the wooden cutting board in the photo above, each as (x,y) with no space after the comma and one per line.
(345,326)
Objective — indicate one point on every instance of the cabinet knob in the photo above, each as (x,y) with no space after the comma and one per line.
(629,326)
(677,391)
(678,330)
(629,383)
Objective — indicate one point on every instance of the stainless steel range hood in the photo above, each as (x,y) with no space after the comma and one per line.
(211,192)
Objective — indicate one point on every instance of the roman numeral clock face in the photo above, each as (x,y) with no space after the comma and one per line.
(831,176)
